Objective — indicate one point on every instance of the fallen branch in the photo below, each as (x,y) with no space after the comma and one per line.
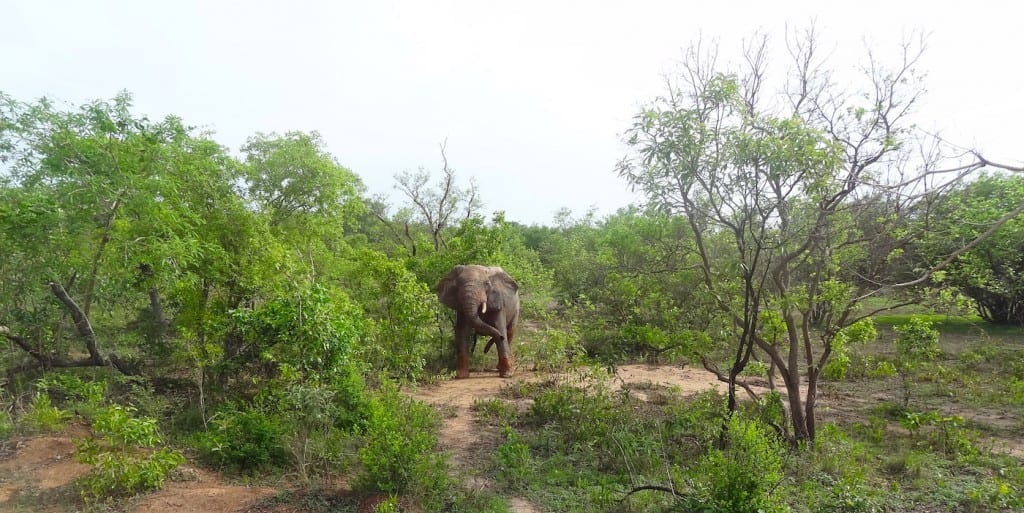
(656,488)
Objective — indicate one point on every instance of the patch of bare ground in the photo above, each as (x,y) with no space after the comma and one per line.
(201,492)
(849,403)
(38,474)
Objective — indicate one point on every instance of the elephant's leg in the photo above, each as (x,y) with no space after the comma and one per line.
(505,359)
(504,350)
(463,335)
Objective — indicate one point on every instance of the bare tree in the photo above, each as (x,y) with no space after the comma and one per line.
(440,206)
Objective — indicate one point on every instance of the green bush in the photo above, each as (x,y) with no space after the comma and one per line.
(850,496)
(119,451)
(578,416)
(6,425)
(243,440)
(398,456)
(740,478)
(839,363)
(693,425)
(551,349)
(994,495)
(917,340)
(68,388)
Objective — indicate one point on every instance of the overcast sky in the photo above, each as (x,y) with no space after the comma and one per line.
(532,97)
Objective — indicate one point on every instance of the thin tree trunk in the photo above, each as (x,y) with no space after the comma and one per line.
(90,284)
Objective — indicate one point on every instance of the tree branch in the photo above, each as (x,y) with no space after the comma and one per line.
(81,321)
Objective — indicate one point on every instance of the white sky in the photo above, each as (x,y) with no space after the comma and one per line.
(532,97)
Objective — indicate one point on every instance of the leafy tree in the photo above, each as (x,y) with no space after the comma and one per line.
(782,178)
(99,208)
(992,272)
(629,280)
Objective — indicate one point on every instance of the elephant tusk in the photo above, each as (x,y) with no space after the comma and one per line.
(484,308)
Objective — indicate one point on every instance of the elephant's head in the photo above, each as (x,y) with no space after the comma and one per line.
(473,289)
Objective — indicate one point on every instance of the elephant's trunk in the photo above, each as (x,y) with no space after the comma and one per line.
(471,311)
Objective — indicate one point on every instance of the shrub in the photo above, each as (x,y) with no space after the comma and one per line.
(917,340)
(398,455)
(243,440)
(552,349)
(579,416)
(740,478)
(69,388)
(697,420)
(917,344)
(6,425)
(119,451)
(839,363)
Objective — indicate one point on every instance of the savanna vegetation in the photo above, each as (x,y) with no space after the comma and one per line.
(851,281)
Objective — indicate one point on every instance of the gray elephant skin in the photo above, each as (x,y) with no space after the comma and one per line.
(486,302)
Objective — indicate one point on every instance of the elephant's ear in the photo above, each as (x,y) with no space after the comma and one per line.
(447,289)
(508,281)
(500,288)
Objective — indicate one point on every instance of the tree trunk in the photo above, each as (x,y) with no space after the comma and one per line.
(81,322)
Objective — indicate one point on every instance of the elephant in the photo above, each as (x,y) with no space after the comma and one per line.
(486,302)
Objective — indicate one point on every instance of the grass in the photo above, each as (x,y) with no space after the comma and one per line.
(951,324)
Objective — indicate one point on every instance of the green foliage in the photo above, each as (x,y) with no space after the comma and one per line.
(740,478)
(123,455)
(628,281)
(43,416)
(917,340)
(7,426)
(946,434)
(551,350)
(578,416)
(495,411)
(917,344)
(72,388)
(243,440)
(402,312)
(850,496)
(994,495)
(311,340)
(295,180)
(398,455)
(858,333)
(698,419)
(512,459)
(990,273)
(86,397)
